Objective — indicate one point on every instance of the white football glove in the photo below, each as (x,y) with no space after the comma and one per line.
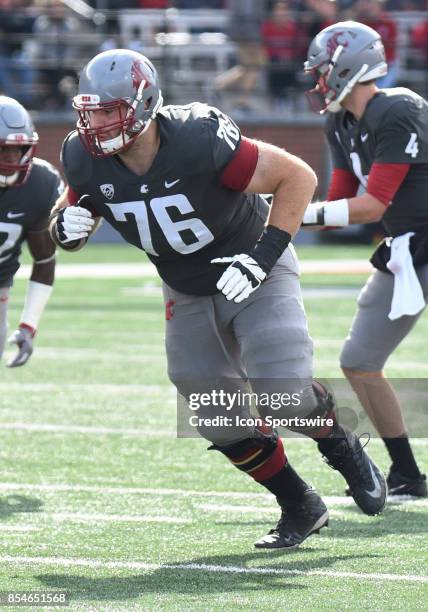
(241,278)
(73,223)
(23,338)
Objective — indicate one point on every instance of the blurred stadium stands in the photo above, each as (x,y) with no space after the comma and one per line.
(45,43)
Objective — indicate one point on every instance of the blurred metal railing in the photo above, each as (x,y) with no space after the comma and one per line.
(189,47)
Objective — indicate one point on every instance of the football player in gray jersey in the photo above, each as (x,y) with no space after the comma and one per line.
(182,183)
(379,140)
(29,187)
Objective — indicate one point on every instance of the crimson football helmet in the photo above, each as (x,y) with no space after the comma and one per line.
(16,130)
(339,57)
(122,80)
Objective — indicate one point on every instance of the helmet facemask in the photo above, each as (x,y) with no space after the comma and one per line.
(14,174)
(94,138)
(324,97)
(134,111)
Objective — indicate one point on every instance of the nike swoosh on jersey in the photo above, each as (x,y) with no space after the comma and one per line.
(376,491)
(11,215)
(169,185)
(364,137)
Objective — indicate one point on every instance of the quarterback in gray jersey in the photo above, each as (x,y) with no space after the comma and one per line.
(29,187)
(378,140)
(182,183)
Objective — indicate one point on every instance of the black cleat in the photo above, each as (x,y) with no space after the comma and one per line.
(399,485)
(367,484)
(298,521)
(402,485)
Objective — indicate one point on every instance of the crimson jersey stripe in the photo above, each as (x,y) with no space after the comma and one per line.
(385,179)
(343,184)
(239,171)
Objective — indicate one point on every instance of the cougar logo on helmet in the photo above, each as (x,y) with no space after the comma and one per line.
(137,74)
(333,42)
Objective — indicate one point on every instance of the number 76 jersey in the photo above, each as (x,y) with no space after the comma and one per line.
(392,130)
(178,212)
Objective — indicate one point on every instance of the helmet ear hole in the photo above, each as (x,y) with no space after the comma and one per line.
(344,73)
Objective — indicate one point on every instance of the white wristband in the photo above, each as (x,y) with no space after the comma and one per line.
(35,301)
(336,213)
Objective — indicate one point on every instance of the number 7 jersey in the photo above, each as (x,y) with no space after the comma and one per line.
(393,130)
(178,212)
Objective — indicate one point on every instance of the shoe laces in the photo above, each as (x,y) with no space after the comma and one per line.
(353,459)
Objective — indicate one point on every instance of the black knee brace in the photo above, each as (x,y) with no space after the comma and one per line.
(250,453)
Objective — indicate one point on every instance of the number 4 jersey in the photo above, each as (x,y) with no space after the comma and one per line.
(178,212)
(393,130)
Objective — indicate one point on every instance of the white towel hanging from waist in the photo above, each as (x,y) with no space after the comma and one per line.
(407,297)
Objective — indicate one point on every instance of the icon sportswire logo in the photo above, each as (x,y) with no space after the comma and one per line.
(171,184)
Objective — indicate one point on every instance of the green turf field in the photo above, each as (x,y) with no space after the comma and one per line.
(99,498)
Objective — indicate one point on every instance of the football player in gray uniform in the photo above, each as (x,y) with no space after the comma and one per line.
(182,183)
(29,187)
(379,140)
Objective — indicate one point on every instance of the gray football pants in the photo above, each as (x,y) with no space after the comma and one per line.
(4,297)
(265,337)
(373,337)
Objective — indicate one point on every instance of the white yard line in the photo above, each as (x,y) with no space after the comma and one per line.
(94,431)
(18,528)
(334,500)
(82,517)
(84,387)
(95,356)
(15,486)
(140,270)
(222,569)
(272,509)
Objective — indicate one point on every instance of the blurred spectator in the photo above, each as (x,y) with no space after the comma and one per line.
(418,39)
(56,51)
(405,5)
(317,15)
(245,20)
(285,44)
(17,75)
(135,43)
(111,32)
(154,4)
(371,13)
(115,5)
(201,4)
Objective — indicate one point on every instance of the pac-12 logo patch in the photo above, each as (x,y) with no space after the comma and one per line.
(107,190)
